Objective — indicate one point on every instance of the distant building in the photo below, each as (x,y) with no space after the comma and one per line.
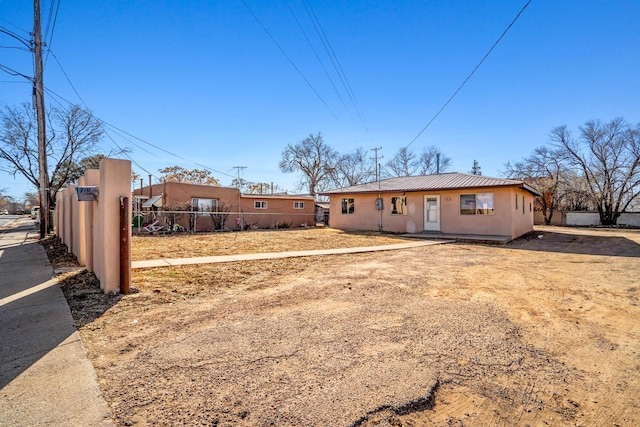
(231,209)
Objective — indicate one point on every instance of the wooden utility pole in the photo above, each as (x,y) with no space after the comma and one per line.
(377,159)
(38,93)
(240,217)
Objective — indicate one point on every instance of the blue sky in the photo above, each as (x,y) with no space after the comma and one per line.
(203,79)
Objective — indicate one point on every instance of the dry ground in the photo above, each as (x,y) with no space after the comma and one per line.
(148,247)
(543,331)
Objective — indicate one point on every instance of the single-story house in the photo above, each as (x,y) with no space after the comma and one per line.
(447,203)
(322,213)
(235,210)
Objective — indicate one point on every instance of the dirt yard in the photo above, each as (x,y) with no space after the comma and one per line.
(542,331)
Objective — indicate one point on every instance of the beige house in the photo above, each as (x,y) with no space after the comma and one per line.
(447,203)
(241,210)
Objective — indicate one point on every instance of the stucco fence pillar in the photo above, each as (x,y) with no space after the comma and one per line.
(91,229)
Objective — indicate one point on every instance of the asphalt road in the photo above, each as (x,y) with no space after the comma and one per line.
(5,219)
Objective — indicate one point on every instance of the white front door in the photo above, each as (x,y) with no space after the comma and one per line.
(432,213)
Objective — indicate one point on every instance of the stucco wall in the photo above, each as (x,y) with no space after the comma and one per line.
(506,221)
(522,219)
(279,210)
(586,219)
(91,230)
(558,218)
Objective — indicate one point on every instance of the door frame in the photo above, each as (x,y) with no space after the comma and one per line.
(431,226)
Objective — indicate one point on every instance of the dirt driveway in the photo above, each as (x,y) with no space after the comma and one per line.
(544,331)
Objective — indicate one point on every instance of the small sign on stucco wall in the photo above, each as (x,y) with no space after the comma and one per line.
(87,193)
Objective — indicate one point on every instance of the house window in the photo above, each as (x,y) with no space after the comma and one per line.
(522,205)
(204,205)
(477,204)
(260,204)
(399,205)
(298,205)
(516,202)
(348,206)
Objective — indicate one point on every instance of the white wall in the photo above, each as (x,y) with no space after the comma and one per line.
(586,219)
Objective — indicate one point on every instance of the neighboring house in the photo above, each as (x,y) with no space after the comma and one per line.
(277,210)
(322,213)
(448,203)
(236,210)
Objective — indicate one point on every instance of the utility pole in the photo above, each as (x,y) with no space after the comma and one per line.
(376,149)
(379,199)
(239,169)
(240,219)
(38,92)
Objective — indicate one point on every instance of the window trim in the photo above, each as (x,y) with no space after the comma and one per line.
(195,204)
(348,205)
(403,205)
(260,204)
(476,210)
(298,204)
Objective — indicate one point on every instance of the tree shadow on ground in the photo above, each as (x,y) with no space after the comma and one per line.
(575,242)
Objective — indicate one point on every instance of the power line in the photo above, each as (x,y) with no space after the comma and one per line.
(120,149)
(290,60)
(13,72)
(326,72)
(15,26)
(15,47)
(103,122)
(10,33)
(470,74)
(334,60)
(53,28)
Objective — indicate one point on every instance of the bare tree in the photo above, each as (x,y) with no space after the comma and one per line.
(173,212)
(220,214)
(607,155)
(194,176)
(433,161)
(576,193)
(262,188)
(353,168)
(545,172)
(404,163)
(313,159)
(31,199)
(73,134)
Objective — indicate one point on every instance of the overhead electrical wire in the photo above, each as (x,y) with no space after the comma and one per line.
(103,122)
(470,74)
(326,72)
(121,150)
(13,72)
(10,33)
(293,64)
(334,60)
(15,47)
(53,27)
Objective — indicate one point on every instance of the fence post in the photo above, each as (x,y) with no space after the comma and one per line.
(125,248)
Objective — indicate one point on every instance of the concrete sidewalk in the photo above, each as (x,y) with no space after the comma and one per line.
(46,377)
(168,262)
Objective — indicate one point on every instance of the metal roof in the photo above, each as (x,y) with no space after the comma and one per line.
(443,181)
(154,201)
